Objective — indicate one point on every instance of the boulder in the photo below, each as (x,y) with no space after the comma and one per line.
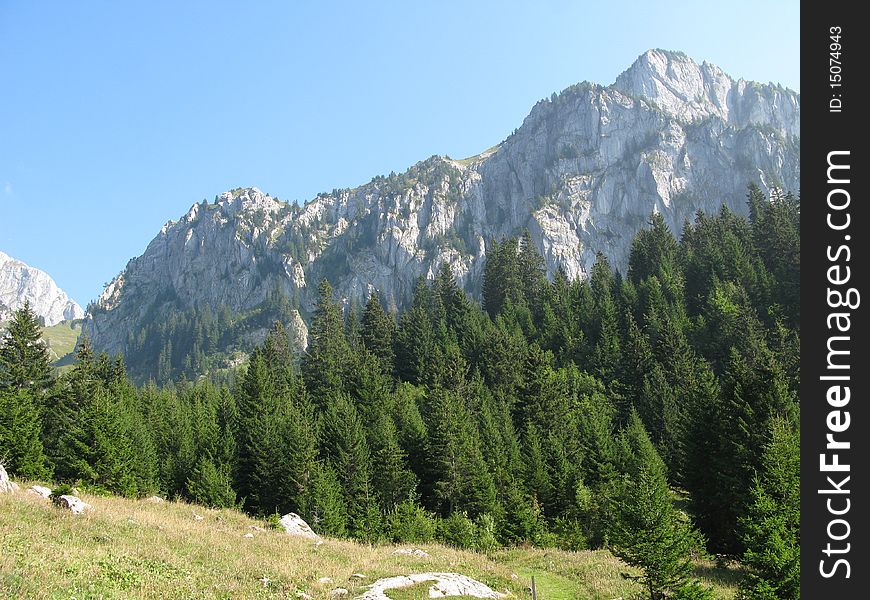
(39,490)
(293,524)
(74,504)
(7,486)
(444,584)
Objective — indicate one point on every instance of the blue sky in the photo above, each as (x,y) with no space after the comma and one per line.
(116,116)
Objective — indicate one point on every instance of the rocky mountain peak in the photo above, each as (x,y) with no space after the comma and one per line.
(583,173)
(689,91)
(20,282)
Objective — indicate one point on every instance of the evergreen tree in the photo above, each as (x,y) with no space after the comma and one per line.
(648,533)
(378,332)
(771,528)
(20,428)
(328,349)
(24,359)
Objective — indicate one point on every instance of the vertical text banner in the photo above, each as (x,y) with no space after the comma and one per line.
(835,562)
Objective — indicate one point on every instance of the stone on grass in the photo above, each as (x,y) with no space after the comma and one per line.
(155,499)
(325,580)
(444,584)
(248,535)
(39,490)
(293,524)
(411,552)
(338,593)
(7,486)
(197,517)
(74,504)
(357,576)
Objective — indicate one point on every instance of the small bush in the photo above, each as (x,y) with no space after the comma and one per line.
(458,531)
(409,522)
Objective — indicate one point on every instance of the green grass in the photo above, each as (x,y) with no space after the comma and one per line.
(61,340)
(471,159)
(136,549)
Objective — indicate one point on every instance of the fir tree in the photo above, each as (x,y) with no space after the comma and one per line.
(24,359)
(647,532)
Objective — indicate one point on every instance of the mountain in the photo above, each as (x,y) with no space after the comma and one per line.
(583,174)
(20,282)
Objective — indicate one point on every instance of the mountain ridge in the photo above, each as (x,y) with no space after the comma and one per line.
(582,173)
(19,282)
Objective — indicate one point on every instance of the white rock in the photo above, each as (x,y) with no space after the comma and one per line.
(357,576)
(411,552)
(39,491)
(325,580)
(304,595)
(155,500)
(338,593)
(197,517)
(444,584)
(293,524)
(249,535)
(7,486)
(74,504)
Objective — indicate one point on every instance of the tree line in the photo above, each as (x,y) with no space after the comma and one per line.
(556,413)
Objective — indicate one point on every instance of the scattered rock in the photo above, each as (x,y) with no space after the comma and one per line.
(304,596)
(338,593)
(265,581)
(445,584)
(357,576)
(411,552)
(155,499)
(74,504)
(325,580)
(248,535)
(7,486)
(197,517)
(514,576)
(293,524)
(256,528)
(39,490)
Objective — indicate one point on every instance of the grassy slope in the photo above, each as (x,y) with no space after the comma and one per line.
(61,339)
(134,548)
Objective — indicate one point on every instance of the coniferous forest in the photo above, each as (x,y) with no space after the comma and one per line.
(652,412)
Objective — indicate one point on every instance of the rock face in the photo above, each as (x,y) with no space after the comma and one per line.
(20,282)
(583,173)
(293,524)
(444,584)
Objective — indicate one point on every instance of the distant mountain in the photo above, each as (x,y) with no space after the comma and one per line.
(583,174)
(20,282)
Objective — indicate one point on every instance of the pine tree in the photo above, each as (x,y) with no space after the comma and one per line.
(378,333)
(391,477)
(648,533)
(211,485)
(771,528)
(328,349)
(24,359)
(345,446)
(20,428)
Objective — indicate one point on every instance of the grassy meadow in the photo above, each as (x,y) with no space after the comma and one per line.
(139,549)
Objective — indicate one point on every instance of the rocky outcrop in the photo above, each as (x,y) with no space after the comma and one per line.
(583,174)
(444,585)
(293,524)
(20,282)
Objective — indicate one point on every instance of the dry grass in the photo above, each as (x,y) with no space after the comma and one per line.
(138,549)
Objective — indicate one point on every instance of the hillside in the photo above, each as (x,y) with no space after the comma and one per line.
(583,173)
(135,548)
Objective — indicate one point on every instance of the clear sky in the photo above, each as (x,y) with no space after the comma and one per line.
(115,117)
